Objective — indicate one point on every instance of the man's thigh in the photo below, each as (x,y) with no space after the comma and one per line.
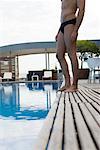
(68,29)
(61,48)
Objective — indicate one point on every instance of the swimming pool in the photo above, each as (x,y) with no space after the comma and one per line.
(23,108)
(30,101)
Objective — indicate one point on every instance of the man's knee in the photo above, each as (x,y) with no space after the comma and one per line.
(59,56)
(72,55)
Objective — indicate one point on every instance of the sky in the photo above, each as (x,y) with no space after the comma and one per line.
(38,20)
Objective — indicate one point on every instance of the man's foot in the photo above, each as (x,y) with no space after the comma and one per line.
(71,89)
(63,88)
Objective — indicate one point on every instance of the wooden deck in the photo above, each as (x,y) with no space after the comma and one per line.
(73,122)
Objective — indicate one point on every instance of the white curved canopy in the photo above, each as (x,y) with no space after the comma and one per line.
(27,48)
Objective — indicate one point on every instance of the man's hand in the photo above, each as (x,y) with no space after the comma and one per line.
(74,35)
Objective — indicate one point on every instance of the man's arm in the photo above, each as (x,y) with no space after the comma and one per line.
(80,15)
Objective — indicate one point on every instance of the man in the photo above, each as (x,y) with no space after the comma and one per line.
(71,18)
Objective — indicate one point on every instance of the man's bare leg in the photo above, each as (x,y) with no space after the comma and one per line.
(73,57)
(74,62)
(64,67)
(61,49)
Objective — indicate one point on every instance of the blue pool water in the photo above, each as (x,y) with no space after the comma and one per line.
(30,101)
(23,109)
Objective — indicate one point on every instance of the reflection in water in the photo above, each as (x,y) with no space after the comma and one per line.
(9,100)
(29,101)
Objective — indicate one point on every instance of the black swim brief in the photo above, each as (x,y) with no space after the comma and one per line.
(73,21)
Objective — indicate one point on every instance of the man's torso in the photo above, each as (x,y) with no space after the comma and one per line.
(68,9)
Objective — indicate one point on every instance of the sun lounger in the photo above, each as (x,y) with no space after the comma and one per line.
(7,76)
(47,75)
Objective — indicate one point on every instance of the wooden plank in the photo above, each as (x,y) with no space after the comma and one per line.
(86,141)
(95,96)
(81,97)
(70,140)
(97,107)
(97,90)
(94,91)
(43,137)
(71,99)
(55,141)
(95,129)
(78,100)
(94,113)
(81,118)
(92,97)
